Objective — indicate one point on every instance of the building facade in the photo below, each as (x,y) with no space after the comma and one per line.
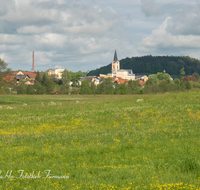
(126,74)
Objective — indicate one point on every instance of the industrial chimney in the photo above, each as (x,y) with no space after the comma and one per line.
(33,62)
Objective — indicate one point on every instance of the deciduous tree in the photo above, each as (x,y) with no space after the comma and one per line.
(182,73)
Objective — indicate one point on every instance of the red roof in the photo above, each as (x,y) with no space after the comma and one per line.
(30,74)
(119,80)
(141,83)
(8,78)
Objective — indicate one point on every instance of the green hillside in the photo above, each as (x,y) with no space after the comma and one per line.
(153,64)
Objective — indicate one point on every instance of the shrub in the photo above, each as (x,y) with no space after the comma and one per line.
(189,78)
(196,85)
(177,81)
(163,86)
(196,75)
(74,92)
(189,84)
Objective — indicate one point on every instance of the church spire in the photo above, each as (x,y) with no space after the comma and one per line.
(115,57)
(115,63)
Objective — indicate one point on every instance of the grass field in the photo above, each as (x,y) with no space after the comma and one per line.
(100,142)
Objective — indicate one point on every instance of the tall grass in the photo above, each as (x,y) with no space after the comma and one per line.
(100,142)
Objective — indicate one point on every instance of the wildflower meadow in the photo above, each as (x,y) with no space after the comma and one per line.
(100,141)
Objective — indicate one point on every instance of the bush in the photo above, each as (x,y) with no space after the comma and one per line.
(196,75)
(196,85)
(177,81)
(182,85)
(123,88)
(163,86)
(189,78)
(74,92)
(155,88)
(38,88)
(189,84)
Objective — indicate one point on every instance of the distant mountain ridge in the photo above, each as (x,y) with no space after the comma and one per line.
(153,64)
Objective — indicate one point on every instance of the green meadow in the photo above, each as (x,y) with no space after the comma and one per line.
(100,141)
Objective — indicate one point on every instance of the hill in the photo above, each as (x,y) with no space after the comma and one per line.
(153,64)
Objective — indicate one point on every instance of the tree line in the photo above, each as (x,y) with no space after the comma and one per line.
(45,84)
(153,64)
(157,83)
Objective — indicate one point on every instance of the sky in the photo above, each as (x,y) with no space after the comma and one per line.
(83,34)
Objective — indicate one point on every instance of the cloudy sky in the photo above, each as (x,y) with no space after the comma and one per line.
(83,34)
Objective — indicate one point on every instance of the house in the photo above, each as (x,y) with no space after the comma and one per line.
(94,79)
(141,83)
(24,75)
(29,82)
(57,72)
(124,74)
(119,80)
(144,78)
(28,77)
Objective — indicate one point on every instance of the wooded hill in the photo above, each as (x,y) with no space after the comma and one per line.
(153,64)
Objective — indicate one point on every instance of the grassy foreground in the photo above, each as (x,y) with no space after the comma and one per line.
(100,142)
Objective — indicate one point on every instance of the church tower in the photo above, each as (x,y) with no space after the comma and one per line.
(115,63)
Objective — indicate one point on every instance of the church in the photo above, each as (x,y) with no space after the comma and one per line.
(117,72)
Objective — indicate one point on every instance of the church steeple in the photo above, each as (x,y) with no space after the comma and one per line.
(115,57)
(115,63)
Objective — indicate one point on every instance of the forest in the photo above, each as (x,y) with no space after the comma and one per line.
(152,64)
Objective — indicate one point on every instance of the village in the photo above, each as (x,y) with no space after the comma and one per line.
(117,76)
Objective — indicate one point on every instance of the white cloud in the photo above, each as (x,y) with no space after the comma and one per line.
(161,40)
(82,34)
(60,30)
(10,39)
(186,21)
(33,30)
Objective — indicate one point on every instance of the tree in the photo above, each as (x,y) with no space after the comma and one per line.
(93,88)
(189,78)
(162,76)
(65,77)
(65,80)
(4,71)
(196,75)
(182,73)
(30,89)
(3,67)
(75,77)
(85,87)
(39,89)
(38,77)
(72,77)
(163,87)
(47,83)
(153,78)
(177,81)
(22,87)
(123,88)
(106,86)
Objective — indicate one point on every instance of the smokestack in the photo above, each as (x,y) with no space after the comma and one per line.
(33,62)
